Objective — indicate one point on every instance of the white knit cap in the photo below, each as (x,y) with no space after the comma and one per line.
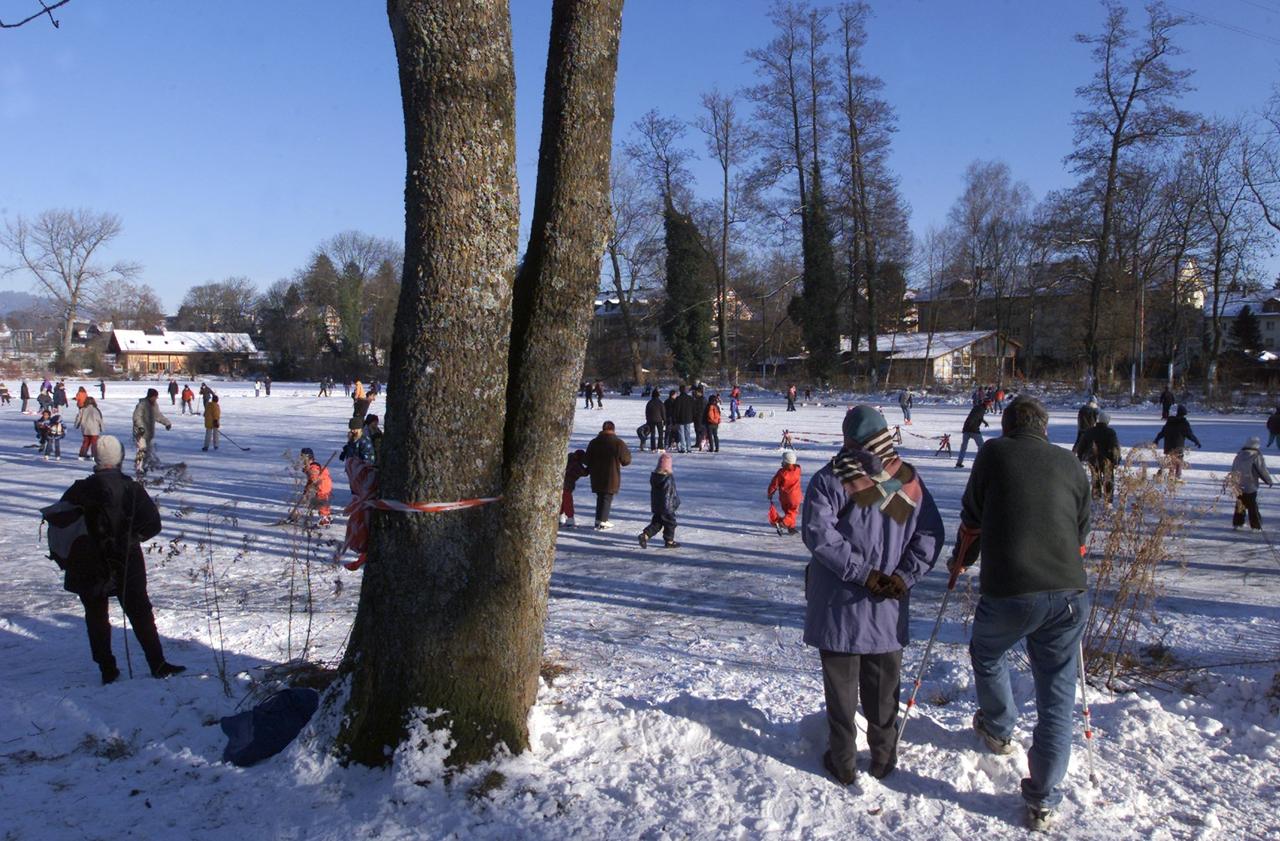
(108,452)
(789,457)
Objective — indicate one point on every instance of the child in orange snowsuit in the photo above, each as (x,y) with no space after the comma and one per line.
(786,483)
(575,468)
(319,487)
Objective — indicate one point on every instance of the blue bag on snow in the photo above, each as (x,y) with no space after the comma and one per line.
(267,729)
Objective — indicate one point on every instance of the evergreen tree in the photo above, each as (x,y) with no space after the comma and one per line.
(815,308)
(1246,330)
(686,314)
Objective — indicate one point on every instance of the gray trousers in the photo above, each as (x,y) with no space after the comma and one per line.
(876,679)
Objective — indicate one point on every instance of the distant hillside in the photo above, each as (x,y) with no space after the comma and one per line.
(11,301)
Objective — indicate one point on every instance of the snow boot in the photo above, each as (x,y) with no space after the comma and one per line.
(998,746)
(1039,819)
(670,544)
(844,779)
(165,670)
(110,674)
(604,525)
(644,540)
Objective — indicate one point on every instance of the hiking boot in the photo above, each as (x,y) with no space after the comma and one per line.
(644,540)
(670,544)
(165,670)
(1039,819)
(844,779)
(997,745)
(110,674)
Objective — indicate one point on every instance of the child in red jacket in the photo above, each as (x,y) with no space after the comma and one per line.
(574,469)
(786,483)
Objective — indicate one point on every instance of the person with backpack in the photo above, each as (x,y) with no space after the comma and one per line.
(145,416)
(711,423)
(607,454)
(1099,448)
(655,417)
(1247,470)
(575,468)
(212,423)
(786,484)
(873,531)
(119,516)
(972,429)
(663,502)
(1175,433)
(319,487)
(89,421)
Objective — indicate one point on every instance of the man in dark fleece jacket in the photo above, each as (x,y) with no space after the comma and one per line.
(1026,511)
(1175,433)
(972,429)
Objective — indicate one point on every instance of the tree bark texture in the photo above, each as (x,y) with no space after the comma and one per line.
(424,635)
(452,611)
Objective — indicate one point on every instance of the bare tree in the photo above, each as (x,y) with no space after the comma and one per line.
(60,249)
(224,305)
(632,247)
(726,140)
(1262,163)
(452,607)
(656,148)
(1128,103)
(128,305)
(45,9)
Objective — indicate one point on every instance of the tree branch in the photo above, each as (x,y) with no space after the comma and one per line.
(45,9)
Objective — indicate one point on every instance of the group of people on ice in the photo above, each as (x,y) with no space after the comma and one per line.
(687,421)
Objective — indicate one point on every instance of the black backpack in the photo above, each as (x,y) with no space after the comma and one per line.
(76,552)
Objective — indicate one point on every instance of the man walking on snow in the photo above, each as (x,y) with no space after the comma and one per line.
(1025,511)
(145,416)
(972,429)
(607,454)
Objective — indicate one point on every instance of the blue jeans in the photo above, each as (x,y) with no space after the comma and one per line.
(1052,624)
(687,441)
(734,414)
(1271,438)
(964,444)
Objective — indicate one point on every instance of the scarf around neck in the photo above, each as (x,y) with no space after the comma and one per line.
(873,474)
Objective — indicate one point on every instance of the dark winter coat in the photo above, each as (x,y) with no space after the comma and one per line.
(59,395)
(606,456)
(1166,398)
(1175,433)
(975,421)
(173,388)
(686,409)
(361,448)
(904,399)
(24,392)
(655,414)
(1273,423)
(663,497)
(699,410)
(669,409)
(1099,445)
(1087,417)
(574,469)
(120,516)
(1030,500)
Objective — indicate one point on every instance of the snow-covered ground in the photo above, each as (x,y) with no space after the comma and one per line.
(690,708)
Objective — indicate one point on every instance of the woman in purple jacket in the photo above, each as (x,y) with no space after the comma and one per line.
(873,531)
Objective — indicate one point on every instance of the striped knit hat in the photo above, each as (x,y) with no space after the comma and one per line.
(866,427)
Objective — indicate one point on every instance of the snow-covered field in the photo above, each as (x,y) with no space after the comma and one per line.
(690,708)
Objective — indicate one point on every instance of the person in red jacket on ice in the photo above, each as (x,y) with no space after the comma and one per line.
(786,484)
(319,487)
(575,468)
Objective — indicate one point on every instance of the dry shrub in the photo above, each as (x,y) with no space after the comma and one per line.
(1131,540)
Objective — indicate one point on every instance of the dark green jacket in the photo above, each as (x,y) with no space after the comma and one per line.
(1031,501)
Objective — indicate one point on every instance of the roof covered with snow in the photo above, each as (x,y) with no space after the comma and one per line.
(181,341)
(920,346)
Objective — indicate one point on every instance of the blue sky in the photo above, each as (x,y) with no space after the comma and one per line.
(231,137)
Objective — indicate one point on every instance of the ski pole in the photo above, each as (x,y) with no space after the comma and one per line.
(911,702)
(1088,720)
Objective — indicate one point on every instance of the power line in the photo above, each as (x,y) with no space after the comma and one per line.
(1239,30)
(1265,7)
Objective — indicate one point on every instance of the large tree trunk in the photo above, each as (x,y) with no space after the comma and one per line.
(452,606)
